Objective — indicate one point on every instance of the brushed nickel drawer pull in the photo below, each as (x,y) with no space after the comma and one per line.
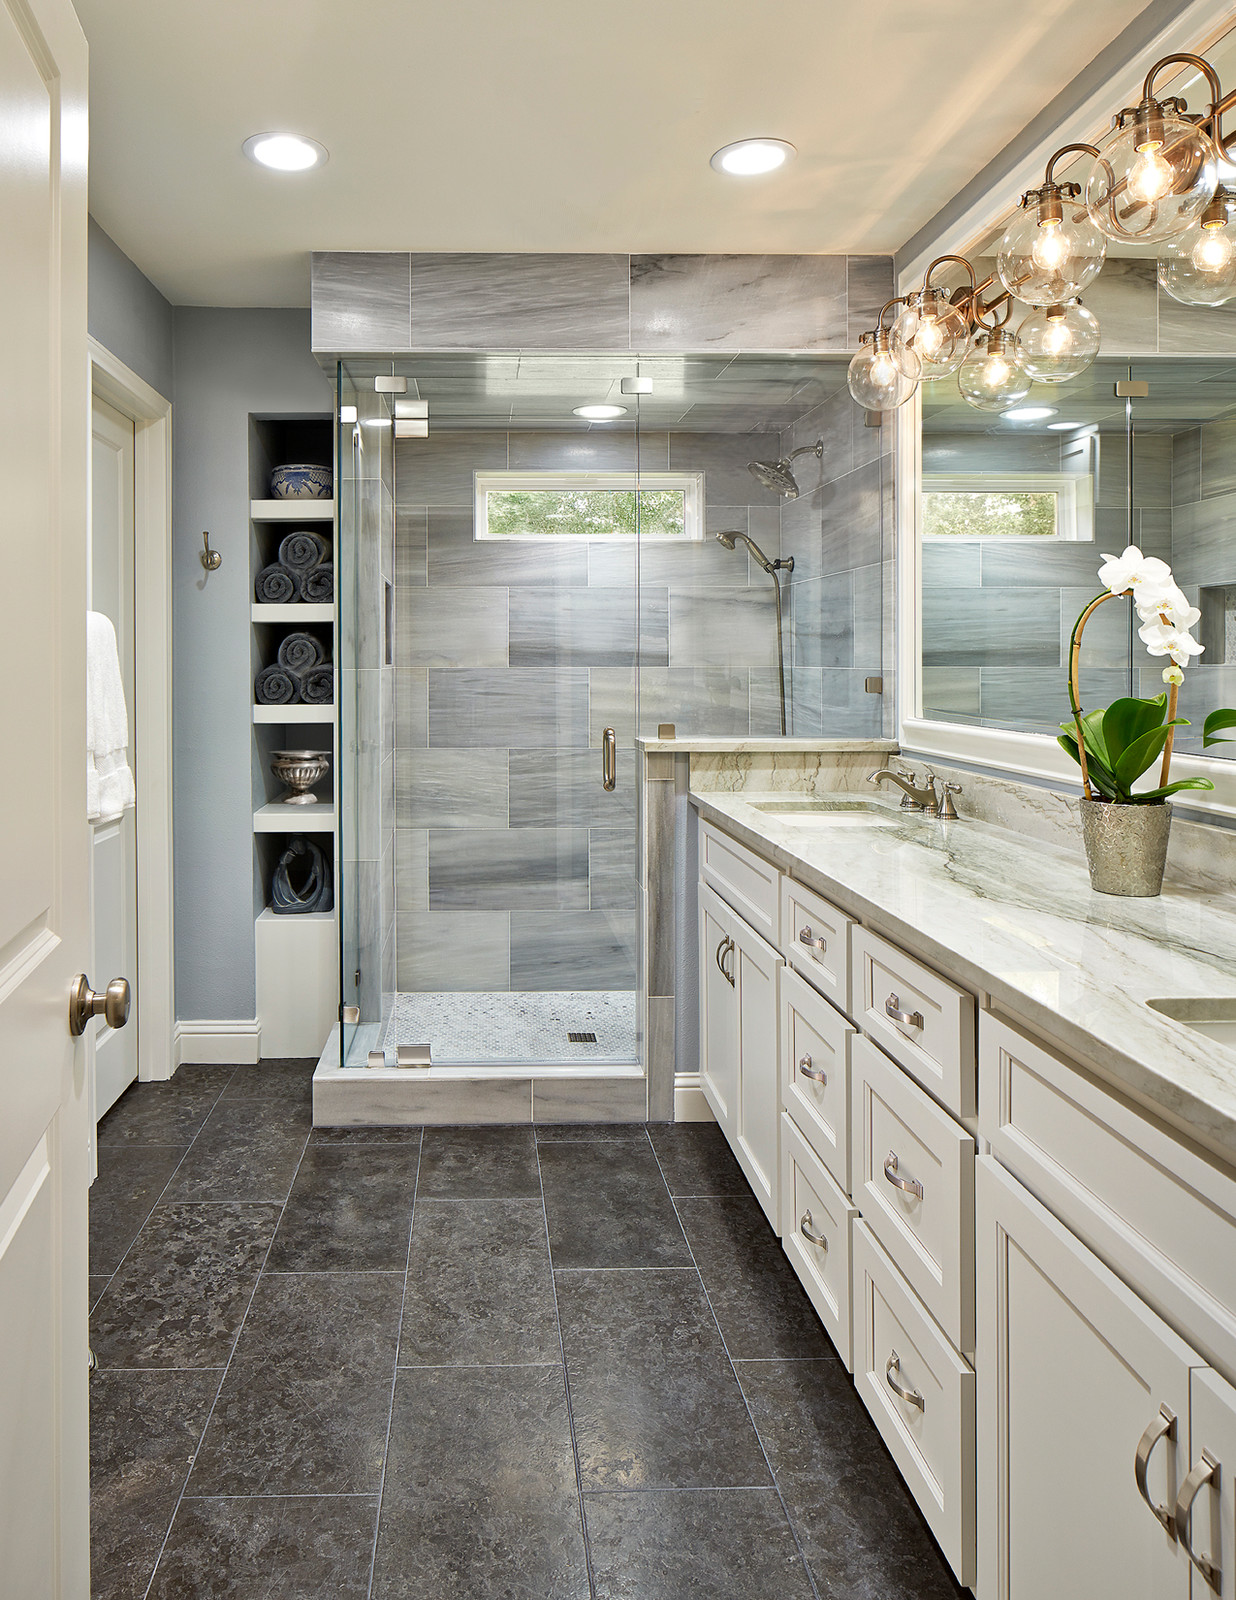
(910,1185)
(1204,1471)
(910,1396)
(1161,1427)
(723,950)
(814,941)
(809,1071)
(892,1008)
(805,1228)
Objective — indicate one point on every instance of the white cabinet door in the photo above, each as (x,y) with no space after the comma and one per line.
(718,1011)
(1206,1505)
(1075,1375)
(754,965)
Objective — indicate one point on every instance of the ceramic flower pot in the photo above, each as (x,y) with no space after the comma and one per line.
(1126,846)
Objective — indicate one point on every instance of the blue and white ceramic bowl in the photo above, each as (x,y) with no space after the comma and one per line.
(302,483)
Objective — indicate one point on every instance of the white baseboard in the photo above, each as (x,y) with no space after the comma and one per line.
(689,1102)
(214,1043)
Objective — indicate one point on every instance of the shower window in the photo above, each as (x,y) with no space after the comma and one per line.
(590,505)
(1018,505)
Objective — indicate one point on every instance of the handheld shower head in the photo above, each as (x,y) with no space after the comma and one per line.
(728,540)
(779,475)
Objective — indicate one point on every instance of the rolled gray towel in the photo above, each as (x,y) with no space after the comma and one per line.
(318,685)
(302,550)
(277,585)
(299,652)
(276,686)
(318,585)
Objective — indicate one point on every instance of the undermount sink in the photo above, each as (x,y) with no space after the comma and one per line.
(1215,1018)
(867,812)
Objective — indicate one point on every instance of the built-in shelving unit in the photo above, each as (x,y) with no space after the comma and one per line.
(294,615)
(292,510)
(276,817)
(290,714)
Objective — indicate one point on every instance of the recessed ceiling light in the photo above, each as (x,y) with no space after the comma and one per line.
(285,152)
(1028,413)
(746,158)
(600,413)
(1060,427)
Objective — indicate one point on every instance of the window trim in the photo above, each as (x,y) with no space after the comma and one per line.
(1074,493)
(513,481)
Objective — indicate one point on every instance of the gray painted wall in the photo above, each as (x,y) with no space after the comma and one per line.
(127,314)
(228,365)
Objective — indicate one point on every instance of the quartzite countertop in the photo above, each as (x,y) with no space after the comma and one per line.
(1017,918)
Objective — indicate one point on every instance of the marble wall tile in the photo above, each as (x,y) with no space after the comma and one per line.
(592,627)
(438,471)
(698,700)
(1105,643)
(726,629)
(788,769)
(589,1099)
(452,950)
(952,689)
(523,708)
(949,454)
(1125,299)
(411,709)
(1193,330)
(682,302)
(519,301)
(609,448)
(508,869)
(456,557)
(451,789)
(572,950)
(1025,564)
(411,546)
(822,613)
(1014,694)
(550,788)
(869,286)
(829,703)
(699,563)
(611,869)
(658,870)
(802,699)
(1186,466)
(411,869)
(981,627)
(1218,458)
(723,458)
(949,564)
(1203,546)
(361,301)
(1152,469)
(834,423)
(660,1063)
(452,627)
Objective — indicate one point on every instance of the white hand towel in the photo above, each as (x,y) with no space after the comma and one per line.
(109,782)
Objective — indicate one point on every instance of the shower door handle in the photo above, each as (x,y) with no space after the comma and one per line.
(609,759)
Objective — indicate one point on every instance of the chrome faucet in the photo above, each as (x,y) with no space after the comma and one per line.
(925,798)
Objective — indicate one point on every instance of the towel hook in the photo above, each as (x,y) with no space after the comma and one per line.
(210,559)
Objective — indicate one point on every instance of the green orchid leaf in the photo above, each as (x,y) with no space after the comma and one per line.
(1144,752)
(1092,732)
(1150,795)
(1214,724)
(1100,778)
(1127,720)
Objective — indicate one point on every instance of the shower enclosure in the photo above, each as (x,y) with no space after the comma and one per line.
(530,557)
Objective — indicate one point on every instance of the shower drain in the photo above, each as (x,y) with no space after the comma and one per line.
(581,1038)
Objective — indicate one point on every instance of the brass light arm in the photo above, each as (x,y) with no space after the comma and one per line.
(1188,60)
(1064,150)
(961,262)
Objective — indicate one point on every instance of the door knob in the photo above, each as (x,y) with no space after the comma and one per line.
(112,1005)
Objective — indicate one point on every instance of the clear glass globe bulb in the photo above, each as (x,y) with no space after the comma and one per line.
(1213,251)
(991,377)
(876,381)
(1199,267)
(1154,176)
(1048,264)
(1056,344)
(930,337)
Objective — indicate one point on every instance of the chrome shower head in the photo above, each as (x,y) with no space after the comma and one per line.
(728,540)
(779,475)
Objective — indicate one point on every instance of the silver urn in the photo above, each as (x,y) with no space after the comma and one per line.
(300,770)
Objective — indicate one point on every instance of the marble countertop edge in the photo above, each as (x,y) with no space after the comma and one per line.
(788,745)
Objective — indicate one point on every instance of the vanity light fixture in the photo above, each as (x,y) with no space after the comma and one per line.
(991,377)
(1198,267)
(599,413)
(1054,248)
(1058,343)
(877,382)
(285,152)
(749,158)
(931,336)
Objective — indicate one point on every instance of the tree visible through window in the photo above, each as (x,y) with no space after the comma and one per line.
(990,514)
(589,505)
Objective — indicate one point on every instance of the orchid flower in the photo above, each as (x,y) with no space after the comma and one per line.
(1161,639)
(1173,674)
(1146,577)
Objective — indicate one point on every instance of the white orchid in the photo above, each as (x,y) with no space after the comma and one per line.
(1173,674)
(1169,601)
(1162,639)
(1147,577)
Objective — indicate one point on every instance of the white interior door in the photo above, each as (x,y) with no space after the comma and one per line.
(44,933)
(113,844)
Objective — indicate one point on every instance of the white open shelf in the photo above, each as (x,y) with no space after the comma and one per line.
(292,510)
(294,917)
(298,611)
(277,817)
(294,714)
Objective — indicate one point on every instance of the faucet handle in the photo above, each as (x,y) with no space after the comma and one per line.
(948,811)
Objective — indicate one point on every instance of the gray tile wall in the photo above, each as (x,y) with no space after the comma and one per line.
(373,302)
(1203,557)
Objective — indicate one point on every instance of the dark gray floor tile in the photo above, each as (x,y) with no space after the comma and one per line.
(856,1521)
(273,1079)
(180,1296)
(759,1303)
(607,1206)
(480,1291)
(131,1179)
(710,1544)
(144,1428)
(350,1210)
(269,1549)
(479,1163)
(247,1150)
(589,1132)
(653,1396)
(164,1113)
(305,1403)
(480,1495)
(375,1135)
(696,1159)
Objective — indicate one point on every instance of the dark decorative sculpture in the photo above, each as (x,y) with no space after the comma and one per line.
(303,881)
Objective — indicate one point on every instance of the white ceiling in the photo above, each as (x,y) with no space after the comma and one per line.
(549,124)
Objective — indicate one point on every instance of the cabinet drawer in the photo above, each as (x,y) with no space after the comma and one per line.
(743,880)
(933,1037)
(815,1224)
(816,940)
(815,1072)
(1159,1213)
(931,1434)
(901,1138)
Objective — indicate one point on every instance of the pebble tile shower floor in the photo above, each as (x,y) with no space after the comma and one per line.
(462,1364)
